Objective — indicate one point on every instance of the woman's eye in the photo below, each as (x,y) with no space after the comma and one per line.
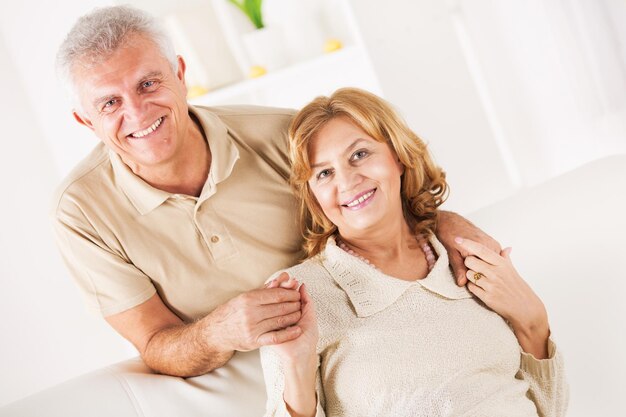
(323,174)
(360,154)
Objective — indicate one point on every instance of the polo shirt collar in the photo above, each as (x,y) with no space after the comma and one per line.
(142,195)
(224,152)
(371,291)
(224,155)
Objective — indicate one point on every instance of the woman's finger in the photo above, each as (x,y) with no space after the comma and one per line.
(276,282)
(481,251)
(478,265)
(474,277)
(477,291)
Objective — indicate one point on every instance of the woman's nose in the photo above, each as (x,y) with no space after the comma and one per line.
(347,178)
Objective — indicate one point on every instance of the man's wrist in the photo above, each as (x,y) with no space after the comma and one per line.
(212,343)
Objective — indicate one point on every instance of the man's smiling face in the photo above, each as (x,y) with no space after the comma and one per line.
(135,103)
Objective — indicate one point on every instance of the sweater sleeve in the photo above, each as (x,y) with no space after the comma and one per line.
(548,388)
(275,386)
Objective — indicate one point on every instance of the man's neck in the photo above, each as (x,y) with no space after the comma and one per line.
(188,173)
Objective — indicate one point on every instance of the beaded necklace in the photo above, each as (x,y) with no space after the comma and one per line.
(428,252)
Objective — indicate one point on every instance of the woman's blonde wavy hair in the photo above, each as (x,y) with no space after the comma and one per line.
(423,184)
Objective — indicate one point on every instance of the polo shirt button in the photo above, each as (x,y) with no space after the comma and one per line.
(215,239)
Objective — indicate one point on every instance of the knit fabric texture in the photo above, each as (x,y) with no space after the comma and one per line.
(390,347)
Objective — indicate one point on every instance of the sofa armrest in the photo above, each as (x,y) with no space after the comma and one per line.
(131,389)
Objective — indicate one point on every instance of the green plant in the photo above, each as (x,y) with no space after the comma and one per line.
(252,9)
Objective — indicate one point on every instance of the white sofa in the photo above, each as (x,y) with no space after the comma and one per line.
(569,241)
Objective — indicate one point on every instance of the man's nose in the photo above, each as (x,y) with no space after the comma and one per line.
(134,109)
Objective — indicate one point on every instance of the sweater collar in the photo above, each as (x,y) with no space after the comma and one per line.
(371,291)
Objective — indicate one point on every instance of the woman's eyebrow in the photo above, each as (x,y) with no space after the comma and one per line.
(347,151)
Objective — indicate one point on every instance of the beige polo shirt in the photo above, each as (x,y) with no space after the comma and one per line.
(123,240)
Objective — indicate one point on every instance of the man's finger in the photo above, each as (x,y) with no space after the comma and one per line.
(458,267)
(279,336)
(273,295)
(268,311)
(279,322)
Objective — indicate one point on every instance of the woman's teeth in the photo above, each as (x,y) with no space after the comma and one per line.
(360,199)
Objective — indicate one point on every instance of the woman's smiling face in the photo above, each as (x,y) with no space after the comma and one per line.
(355,178)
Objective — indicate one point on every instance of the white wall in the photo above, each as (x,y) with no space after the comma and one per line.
(422,70)
(507,93)
(47,334)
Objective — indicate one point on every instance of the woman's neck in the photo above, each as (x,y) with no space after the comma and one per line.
(390,243)
(396,251)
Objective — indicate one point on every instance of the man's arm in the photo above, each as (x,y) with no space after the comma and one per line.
(449,226)
(246,322)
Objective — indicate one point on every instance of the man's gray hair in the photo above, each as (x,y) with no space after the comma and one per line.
(97,35)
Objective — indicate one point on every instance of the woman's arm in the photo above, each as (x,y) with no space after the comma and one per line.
(291,369)
(547,386)
(494,280)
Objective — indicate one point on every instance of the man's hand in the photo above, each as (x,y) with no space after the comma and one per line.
(450,226)
(265,316)
(172,347)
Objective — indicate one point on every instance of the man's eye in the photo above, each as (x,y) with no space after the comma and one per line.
(109,104)
(148,84)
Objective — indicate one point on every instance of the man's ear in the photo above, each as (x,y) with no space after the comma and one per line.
(180,70)
(82,119)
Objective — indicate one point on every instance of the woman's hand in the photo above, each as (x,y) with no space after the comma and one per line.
(451,225)
(494,280)
(299,356)
(304,346)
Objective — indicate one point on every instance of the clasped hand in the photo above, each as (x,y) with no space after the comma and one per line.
(265,316)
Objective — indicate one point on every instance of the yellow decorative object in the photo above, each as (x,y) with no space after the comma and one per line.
(257,71)
(332,45)
(196,91)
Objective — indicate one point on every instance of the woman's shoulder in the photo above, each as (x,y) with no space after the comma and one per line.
(311,271)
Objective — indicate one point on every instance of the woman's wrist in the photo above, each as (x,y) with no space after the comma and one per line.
(300,395)
(533,338)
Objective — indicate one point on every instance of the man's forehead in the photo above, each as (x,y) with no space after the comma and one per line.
(129,63)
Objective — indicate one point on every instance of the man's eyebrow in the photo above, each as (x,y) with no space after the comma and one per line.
(152,74)
(102,99)
(347,150)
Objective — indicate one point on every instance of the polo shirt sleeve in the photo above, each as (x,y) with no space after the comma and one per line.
(109,282)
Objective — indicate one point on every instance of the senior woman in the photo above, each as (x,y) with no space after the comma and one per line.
(384,328)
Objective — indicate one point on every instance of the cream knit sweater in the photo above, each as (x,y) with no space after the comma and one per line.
(390,347)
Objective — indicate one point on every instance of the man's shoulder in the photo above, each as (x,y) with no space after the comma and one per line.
(245,111)
(252,122)
(90,173)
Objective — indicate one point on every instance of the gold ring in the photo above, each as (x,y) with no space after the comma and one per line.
(477,276)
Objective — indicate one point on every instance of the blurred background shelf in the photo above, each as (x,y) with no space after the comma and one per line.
(295,85)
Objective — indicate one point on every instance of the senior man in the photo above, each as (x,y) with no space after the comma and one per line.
(173,222)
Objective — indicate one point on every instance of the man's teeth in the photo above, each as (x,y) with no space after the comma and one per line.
(149,130)
(360,199)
